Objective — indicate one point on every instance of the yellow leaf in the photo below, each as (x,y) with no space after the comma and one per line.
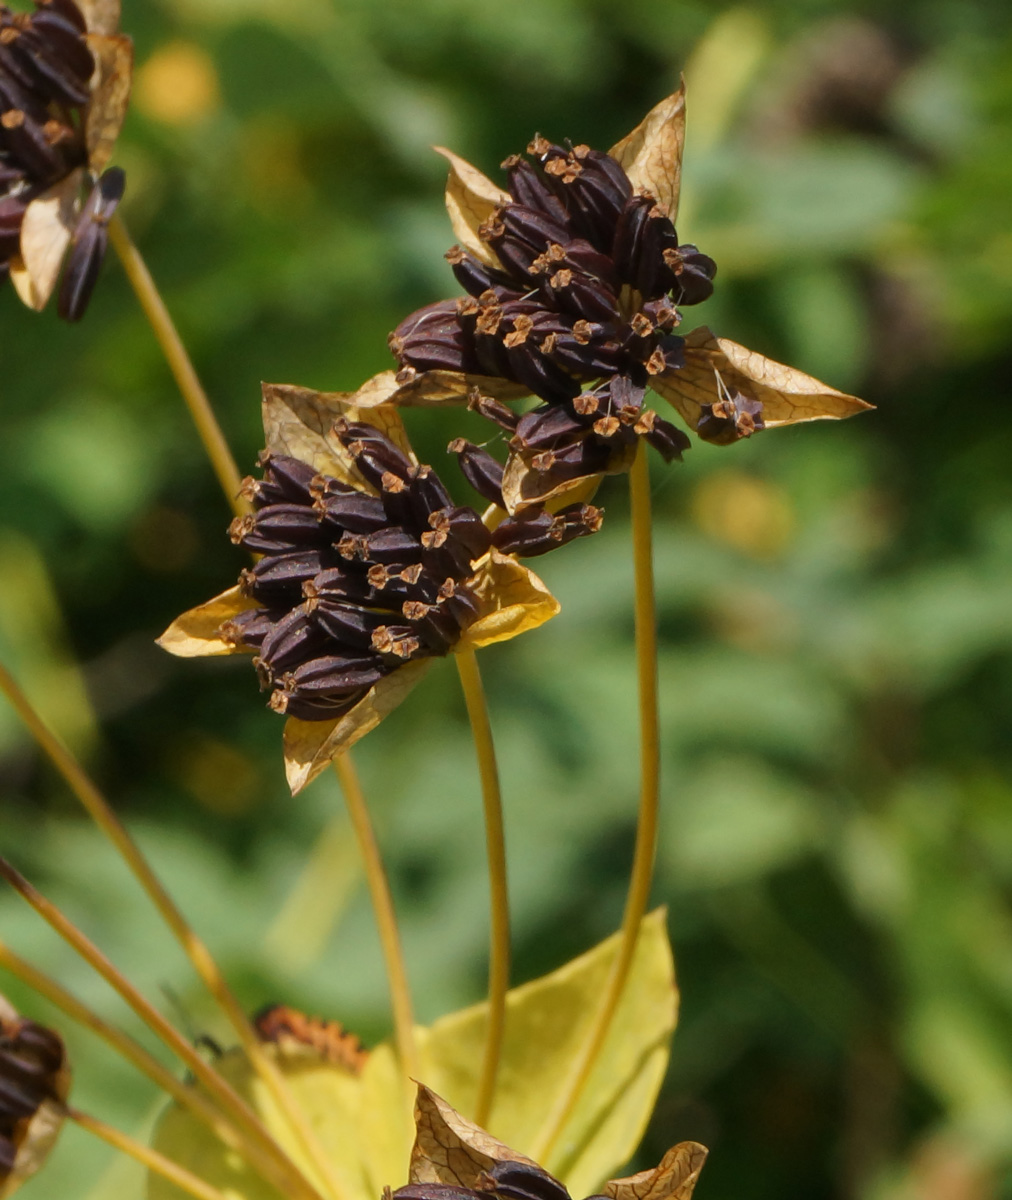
(547,1022)
(471,198)
(195,633)
(715,367)
(652,153)
(46,230)
(674,1179)
(299,422)
(362,1120)
(311,746)
(512,599)
(110,92)
(340,1105)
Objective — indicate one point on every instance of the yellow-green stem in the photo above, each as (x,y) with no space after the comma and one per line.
(149,1158)
(495,840)
(638,895)
(203,961)
(230,1101)
(262,1158)
(227,473)
(179,363)
(386,917)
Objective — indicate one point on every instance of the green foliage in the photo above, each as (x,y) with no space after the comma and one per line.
(835,601)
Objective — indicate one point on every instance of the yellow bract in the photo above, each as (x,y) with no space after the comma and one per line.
(512,600)
(362,1120)
(46,230)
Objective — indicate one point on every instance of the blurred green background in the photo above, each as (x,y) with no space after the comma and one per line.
(836,600)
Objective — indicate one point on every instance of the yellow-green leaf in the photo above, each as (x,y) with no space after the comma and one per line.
(363,1120)
(340,1106)
(547,1022)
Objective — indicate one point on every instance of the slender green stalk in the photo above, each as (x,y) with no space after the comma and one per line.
(179,362)
(221,459)
(638,895)
(495,840)
(262,1158)
(231,1102)
(195,949)
(386,916)
(149,1158)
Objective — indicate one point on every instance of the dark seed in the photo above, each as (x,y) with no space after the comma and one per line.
(480,470)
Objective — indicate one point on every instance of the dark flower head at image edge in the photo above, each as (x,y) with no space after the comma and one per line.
(64,83)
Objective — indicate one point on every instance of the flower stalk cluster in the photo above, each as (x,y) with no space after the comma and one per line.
(365,569)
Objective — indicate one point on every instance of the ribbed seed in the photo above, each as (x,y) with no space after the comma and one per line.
(480,470)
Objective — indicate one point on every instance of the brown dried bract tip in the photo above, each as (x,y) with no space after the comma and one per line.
(34,1081)
(289,1028)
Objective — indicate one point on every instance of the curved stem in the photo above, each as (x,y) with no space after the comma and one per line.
(638,895)
(179,363)
(223,1093)
(149,1158)
(495,839)
(195,949)
(386,917)
(190,1098)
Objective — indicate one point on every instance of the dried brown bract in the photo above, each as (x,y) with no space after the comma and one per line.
(454,1159)
(34,1080)
(64,83)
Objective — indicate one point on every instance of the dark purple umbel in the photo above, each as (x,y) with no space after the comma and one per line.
(589,279)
